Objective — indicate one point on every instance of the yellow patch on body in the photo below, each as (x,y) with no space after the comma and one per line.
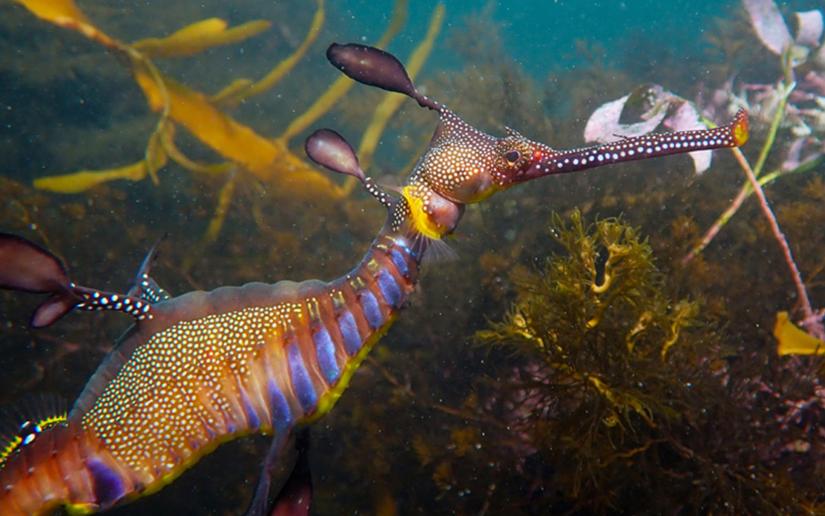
(421,221)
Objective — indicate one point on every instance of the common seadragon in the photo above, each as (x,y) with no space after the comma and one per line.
(199,369)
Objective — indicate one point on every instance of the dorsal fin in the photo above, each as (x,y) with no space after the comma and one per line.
(21,423)
(452,126)
(143,285)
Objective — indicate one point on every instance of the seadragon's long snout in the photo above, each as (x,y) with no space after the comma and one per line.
(734,134)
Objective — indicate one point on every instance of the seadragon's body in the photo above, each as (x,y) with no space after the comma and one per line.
(205,367)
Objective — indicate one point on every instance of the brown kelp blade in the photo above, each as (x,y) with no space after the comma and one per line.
(375,67)
(329,149)
(26,266)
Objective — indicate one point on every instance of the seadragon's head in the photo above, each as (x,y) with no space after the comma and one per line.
(464,165)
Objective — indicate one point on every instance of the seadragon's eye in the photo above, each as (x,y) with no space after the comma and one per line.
(512,156)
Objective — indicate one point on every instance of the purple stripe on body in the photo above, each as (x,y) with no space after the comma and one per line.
(390,289)
(349,331)
(372,311)
(325,349)
(249,410)
(301,382)
(108,486)
(211,433)
(281,413)
(399,262)
(404,245)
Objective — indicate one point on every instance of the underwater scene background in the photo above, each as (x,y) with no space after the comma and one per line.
(591,348)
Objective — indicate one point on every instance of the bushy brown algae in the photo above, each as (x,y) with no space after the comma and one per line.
(621,393)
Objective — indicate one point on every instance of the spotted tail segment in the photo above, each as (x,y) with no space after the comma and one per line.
(66,466)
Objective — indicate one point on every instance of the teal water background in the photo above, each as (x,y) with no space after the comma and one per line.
(541,35)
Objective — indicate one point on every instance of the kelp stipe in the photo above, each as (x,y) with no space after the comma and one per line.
(202,368)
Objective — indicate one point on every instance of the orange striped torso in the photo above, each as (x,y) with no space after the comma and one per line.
(215,366)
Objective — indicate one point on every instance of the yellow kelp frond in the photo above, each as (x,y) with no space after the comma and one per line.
(167,140)
(154,158)
(341,86)
(392,101)
(397,22)
(65,13)
(231,91)
(794,341)
(224,200)
(682,314)
(83,180)
(267,160)
(280,70)
(198,37)
(54,11)
(642,324)
(218,130)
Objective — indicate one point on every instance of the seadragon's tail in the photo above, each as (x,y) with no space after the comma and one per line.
(64,466)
